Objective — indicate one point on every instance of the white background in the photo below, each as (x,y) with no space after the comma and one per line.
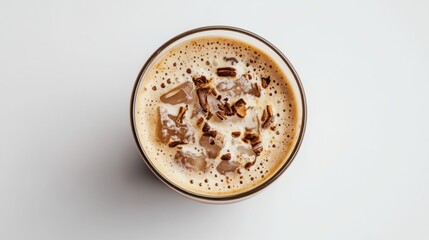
(69,167)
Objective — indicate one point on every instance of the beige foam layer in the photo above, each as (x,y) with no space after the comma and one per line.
(202,56)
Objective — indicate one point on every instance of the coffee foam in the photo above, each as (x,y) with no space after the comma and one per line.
(201,57)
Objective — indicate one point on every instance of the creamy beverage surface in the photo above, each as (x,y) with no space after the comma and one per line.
(216,116)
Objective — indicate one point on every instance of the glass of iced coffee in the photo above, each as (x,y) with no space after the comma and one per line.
(218,113)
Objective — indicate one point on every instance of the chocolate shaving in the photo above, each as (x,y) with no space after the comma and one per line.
(267,123)
(256,89)
(175,143)
(202,97)
(254,140)
(182,111)
(239,108)
(235,134)
(257,148)
(264,116)
(267,117)
(248,165)
(250,137)
(228,109)
(265,81)
(213,92)
(199,121)
(206,127)
(219,97)
(270,110)
(226,157)
(209,115)
(221,106)
(226,72)
(210,133)
(220,115)
(232,59)
(241,111)
(199,81)
(247,76)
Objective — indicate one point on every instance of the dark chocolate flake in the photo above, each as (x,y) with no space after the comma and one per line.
(221,107)
(257,148)
(175,143)
(248,165)
(199,121)
(209,115)
(213,92)
(270,110)
(226,157)
(199,81)
(210,133)
(250,137)
(247,76)
(267,117)
(226,72)
(240,102)
(265,81)
(256,89)
(239,108)
(235,134)
(233,60)
(240,111)
(206,127)
(202,97)
(267,123)
(264,116)
(220,115)
(228,109)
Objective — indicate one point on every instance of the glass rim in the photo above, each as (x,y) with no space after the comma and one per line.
(252,191)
